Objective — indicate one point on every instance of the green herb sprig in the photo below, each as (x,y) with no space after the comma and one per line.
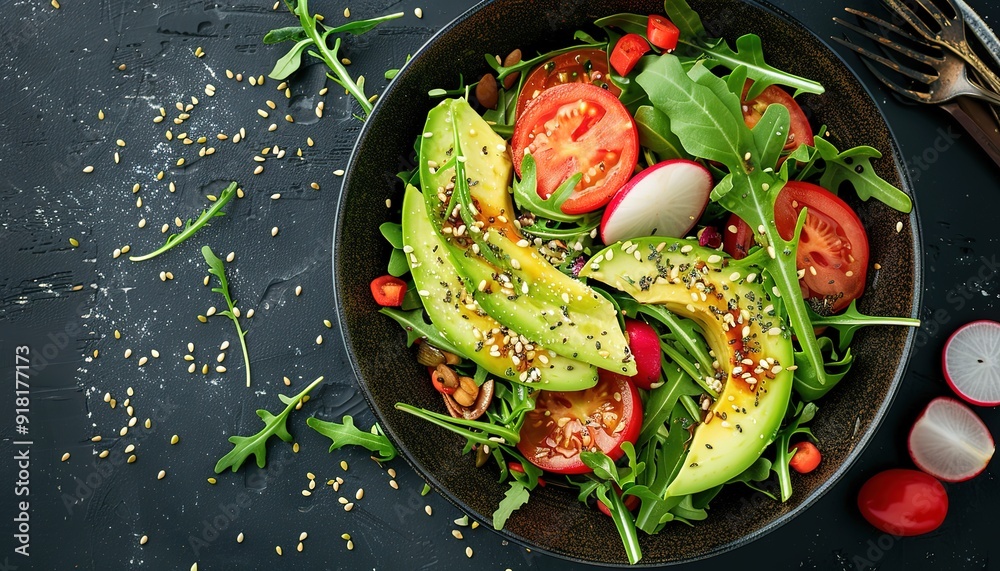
(244,446)
(347,434)
(313,35)
(217,269)
(192,226)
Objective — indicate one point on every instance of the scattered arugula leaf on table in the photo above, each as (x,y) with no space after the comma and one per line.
(244,446)
(347,434)
(218,269)
(192,226)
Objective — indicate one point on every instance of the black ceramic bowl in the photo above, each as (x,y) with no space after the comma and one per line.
(554,521)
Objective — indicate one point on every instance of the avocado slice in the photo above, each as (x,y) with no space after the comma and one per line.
(742,326)
(503,270)
(463,323)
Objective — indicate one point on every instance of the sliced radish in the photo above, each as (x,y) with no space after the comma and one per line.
(972,362)
(950,442)
(645,346)
(664,200)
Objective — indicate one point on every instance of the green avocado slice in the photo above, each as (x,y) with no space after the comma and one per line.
(503,271)
(745,330)
(459,318)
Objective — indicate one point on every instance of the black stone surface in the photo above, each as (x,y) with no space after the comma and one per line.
(59,67)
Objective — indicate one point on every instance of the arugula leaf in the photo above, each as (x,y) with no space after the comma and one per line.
(244,446)
(461,426)
(347,434)
(393,233)
(218,269)
(687,20)
(526,194)
(287,34)
(525,65)
(771,133)
(623,519)
(398,265)
(836,368)
(628,23)
(660,404)
(851,320)
(854,166)
(291,61)
(358,27)
(750,53)
(192,226)
(602,465)
(655,134)
(416,328)
(517,495)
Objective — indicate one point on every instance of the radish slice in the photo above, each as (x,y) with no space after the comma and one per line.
(950,442)
(972,362)
(664,200)
(645,346)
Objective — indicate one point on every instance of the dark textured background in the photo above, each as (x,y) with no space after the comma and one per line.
(59,67)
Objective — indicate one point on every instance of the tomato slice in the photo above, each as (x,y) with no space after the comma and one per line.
(563,424)
(585,65)
(662,33)
(903,502)
(629,49)
(806,458)
(388,291)
(577,127)
(833,246)
(799,129)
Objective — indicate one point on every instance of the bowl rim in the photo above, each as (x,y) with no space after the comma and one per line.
(852,457)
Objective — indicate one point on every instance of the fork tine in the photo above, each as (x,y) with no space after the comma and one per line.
(886,42)
(936,12)
(912,74)
(887,26)
(911,18)
(909,93)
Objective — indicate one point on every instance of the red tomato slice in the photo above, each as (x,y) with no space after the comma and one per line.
(903,502)
(629,49)
(565,423)
(662,33)
(799,129)
(585,65)
(388,291)
(577,127)
(833,247)
(807,457)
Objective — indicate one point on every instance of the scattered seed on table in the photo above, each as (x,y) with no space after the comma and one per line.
(131,459)
(117,252)
(309,141)
(164,228)
(65,456)
(175,439)
(118,158)
(132,421)
(295,447)
(143,361)
(128,353)
(236,311)
(360,494)
(339,172)
(474,525)
(220,369)
(395,486)
(212,481)
(143,540)
(314,185)
(899,227)
(148,424)
(274,231)
(239,538)
(343,465)
(100,114)
(299,547)
(428,509)
(194,567)
(276,196)
(306,493)
(142,223)
(103,454)
(456,534)
(419,13)
(468,552)
(277,549)
(155,354)
(161,475)
(347,12)
(287,381)
(349,506)
(350,545)
(88,169)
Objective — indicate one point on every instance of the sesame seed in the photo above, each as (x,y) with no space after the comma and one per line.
(259,169)
(175,439)
(347,12)
(231,256)
(419,13)
(306,493)
(314,185)
(327,323)
(148,424)
(194,567)
(350,545)
(343,465)
(298,291)
(274,231)
(299,547)
(899,227)
(128,353)
(220,369)
(427,509)
(877,266)
(295,447)
(468,552)
(65,456)
(360,494)
(212,481)
(349,506)
(88,169)
(239,538)
(131,459)
(161,475)
(277,549)
(143,540)
(100,114)
(456,534)
(103,454)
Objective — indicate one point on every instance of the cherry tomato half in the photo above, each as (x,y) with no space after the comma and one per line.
(585,65)
(903,502)
(573,128)
(388,291)
(662,33)
(807,457)
(799,129)
(833,246)
(628,51)
(563,424)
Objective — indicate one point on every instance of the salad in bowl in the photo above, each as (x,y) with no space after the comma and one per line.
(628,270)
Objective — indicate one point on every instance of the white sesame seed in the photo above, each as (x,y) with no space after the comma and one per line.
(274,231)
(65,456)
(319,339)
(427,509)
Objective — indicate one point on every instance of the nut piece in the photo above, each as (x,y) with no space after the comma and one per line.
(477,409)
(451,358)
(467,392)
(486,91)
(511,59)
(447,376)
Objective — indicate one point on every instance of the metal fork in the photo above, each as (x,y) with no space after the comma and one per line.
(951,35)
(950,81)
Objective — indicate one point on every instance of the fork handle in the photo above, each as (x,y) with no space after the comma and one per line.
(976,121)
